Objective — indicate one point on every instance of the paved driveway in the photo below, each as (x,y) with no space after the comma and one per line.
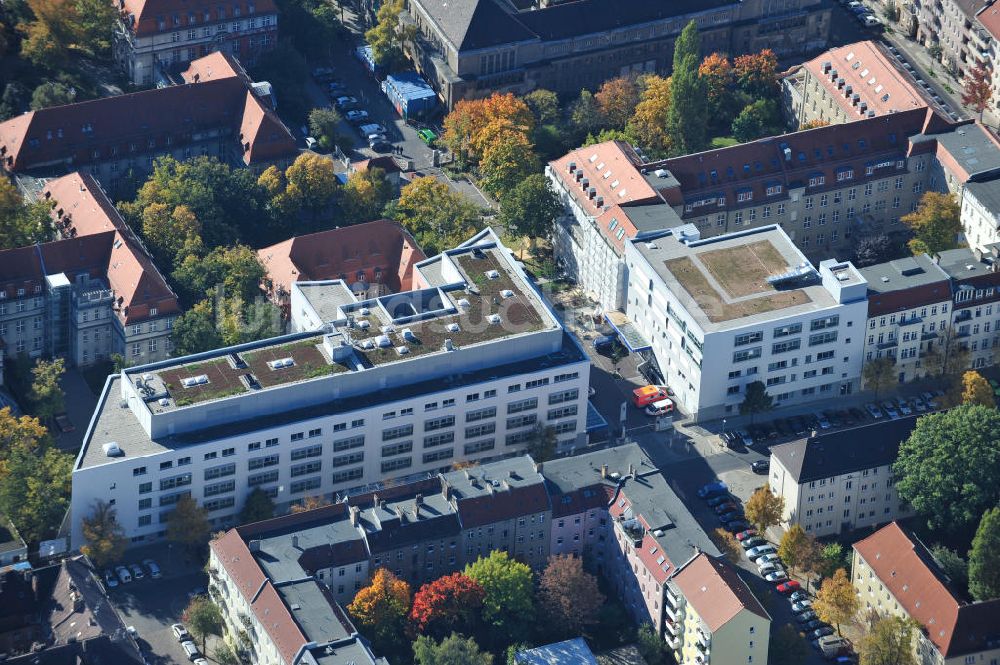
(80,403)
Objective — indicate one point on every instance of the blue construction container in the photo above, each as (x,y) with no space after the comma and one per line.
(410,94)
(364,54)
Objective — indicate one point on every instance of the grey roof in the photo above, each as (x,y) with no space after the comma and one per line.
(987,193)
(962,263)
(313,610)
(904,273)
(845,451)
(656,217)
(972,147)
(326,297)
(478,24)
(10,541)
(570,652)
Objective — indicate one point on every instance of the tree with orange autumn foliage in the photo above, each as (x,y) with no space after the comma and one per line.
(463,127)
(757,73)
(617,99)
(450,603)
(380,609)
(814,124)
(717,72)
(978,90)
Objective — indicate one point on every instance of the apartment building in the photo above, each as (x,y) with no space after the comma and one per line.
(909,309)
(374,258)
(895,575)
(950,25)
(975,285)
(848,83)
(842,481)
(216,112)
(612,507)
(483,46)
(718,619)
(92,294)
(156,38)
(985,38)
(720,313)
(464,367)
(981,214)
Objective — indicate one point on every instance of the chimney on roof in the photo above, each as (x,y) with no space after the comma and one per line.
(538,467)
(604,471)
(254,545)
(631,470)
(295,542)
(445,489)
(418,500)
(512,473)
(354,512)
(399,512)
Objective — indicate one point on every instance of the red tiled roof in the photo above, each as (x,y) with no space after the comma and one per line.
(277,620)
(328,254)
(990,20)
(901,300)
(654,559)
(715,591)
(80,205)
(144,122)
(906,569)
(243,569)
(215,65)
(580,500)
(22,268)
(182,14)
(870,74)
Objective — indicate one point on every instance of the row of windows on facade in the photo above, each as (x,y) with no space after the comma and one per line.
(206,14)
(817,339)
(861,515)
(235,26)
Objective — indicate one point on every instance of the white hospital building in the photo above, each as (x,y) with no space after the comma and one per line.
(463,367)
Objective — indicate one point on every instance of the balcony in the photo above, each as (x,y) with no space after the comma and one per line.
(674,614)
(672,628)
(673,642)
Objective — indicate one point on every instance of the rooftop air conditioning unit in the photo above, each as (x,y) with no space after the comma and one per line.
(463,303)
(492,274)
(408,335)
(383,341)
(402,350)
(112,449)
(452,327)
(388,329)
(364,325)
(493,318)
(364,311)
(507,293)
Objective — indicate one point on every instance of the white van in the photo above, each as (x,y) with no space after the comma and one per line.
(190,650)
(660,407)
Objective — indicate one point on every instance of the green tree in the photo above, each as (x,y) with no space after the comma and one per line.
(954,566)
(257,507)
(169,233)
(14,97)
(544,105)
(755,400)
(542,443)
(95,23)
(324,124)
(569,595)
(949,467)
(365,195)
(585,114)
(195,331)
(507,161)
(387,37)
(21,223)
(104,535)
(224,655)
(836,601)
(935,224)
(203,618)
(787,647)
(34,490)
(756,120)
(188,523)
(651,646)
(528,208)
(949,356)
(436,216)
(889,641)
(764,508)
(52,93)
(453,650)
(508,606)
(984,558)
(687,117)
(47,396)
(235,268)
(879,373)
(873,248)
(831,557)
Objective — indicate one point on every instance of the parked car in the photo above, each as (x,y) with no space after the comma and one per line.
(154,569)
(737,526)
(720,499)
(761,466)
(824,422)
(929,400)
(379,144)
(725,507)
(745,437)
(744,535)
(904,408)
(648,394)
(180,632)
(752,541)
(890,409)
(371,128)
(755,553)
(110,580)
(798,596)
(870,21)
(345,101)
(770,430)
(64,424)
(767,569)
(814,623)
(356,116)
(805,617)
(190,650)
(822,632)
(322,73)
(769,558)
(713,488)
(777,576)
(136,571)
(833,418)
(919,405)
(660,407)
(336,88)
(311,143)
(427,136)
(731,516)
(802,605)
(123,575)
(873,410)
(789,587)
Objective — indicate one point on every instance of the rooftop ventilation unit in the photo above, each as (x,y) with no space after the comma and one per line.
(448,346)
(280,363)
(661,173)
(579,175)
(112,449)
(164,401)
(364,311)
(492,274)
(367,344)
(599,201)
(364,325)
(493,318)
(408,335)
(192,381)
(383,341)
(507,293)
(571,167)
(388,329)
(591,192)
(452,327)
(463,303)
(402,350)
(147,377)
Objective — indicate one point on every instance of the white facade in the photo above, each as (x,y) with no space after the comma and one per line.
(333,431)
(980,215)
(800,353)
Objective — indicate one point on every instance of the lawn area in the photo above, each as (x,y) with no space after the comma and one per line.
(723,142)
(744,270)
(714,305)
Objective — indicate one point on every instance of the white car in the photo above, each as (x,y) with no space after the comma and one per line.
(755,553)
(180,632)
(371,128)
(345,101)
(154,570)
(356,116)
(190,650)
(769,568)
(870,21)
(769,558)
(123,574)
(776,576)
(660,407)
(801,606)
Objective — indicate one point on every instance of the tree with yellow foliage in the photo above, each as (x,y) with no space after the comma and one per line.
(436,216)
(976,390)
(507,160)
(381,608)
(935,223)
(365,194)
(464,127)
(764,508)
(312,179)
(649,122)
(836,601)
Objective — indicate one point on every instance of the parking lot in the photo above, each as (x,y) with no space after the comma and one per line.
(151,606)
